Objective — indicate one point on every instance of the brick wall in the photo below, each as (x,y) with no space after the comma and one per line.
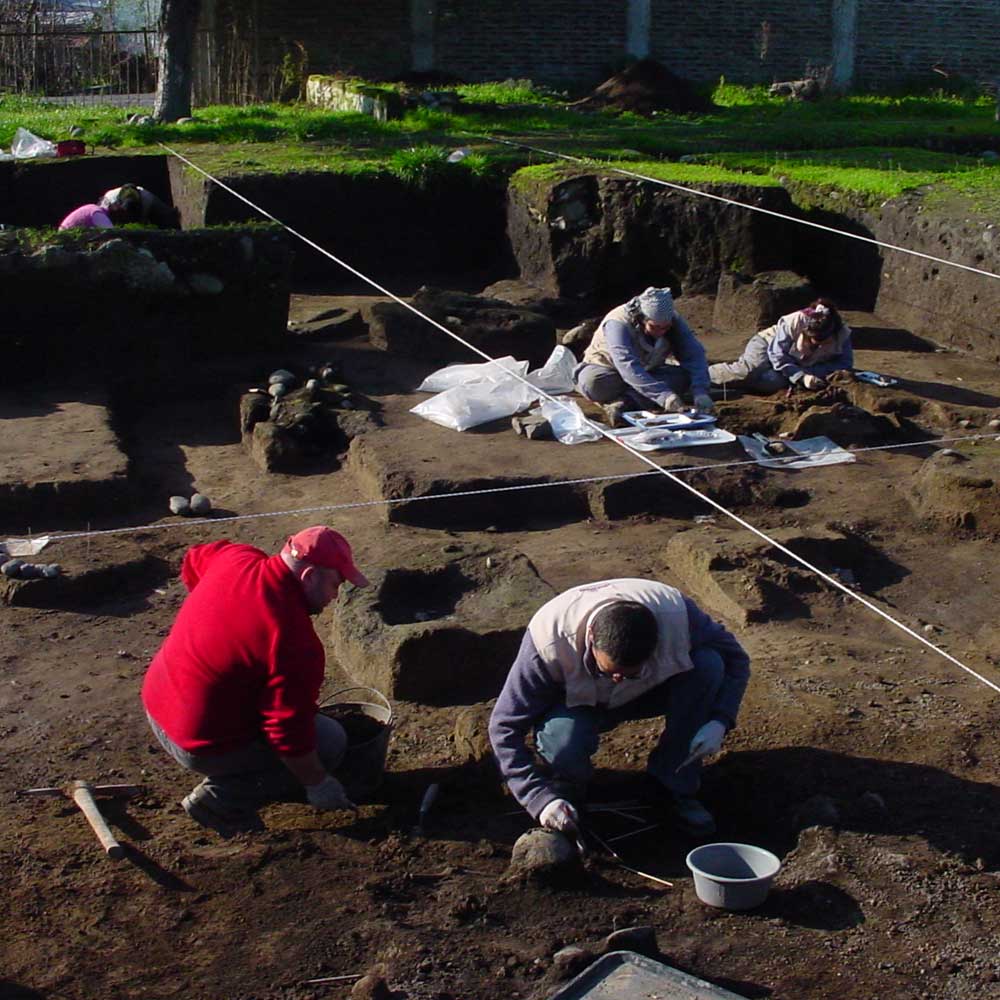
(557,41)
(744,41)
(579,41)
(902,39)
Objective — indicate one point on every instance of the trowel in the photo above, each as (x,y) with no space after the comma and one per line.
(780,450)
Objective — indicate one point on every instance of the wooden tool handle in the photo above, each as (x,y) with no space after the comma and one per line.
(85,800)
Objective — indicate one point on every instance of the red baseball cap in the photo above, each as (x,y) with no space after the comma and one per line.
(322,546)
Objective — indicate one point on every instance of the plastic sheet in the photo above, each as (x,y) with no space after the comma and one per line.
(28,146)
(488,371)
(556,376)
(568,423)
(475,403)
(803,454)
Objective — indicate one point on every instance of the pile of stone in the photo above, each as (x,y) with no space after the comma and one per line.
(299,418)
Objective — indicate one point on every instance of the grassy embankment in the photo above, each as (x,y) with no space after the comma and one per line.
(872,147)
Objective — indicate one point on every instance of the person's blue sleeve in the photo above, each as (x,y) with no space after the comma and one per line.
(843,361)
(528,694)
(690,354)
(630,367)
(778,353)
(706,632)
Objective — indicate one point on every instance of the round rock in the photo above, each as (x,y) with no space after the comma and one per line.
(52,570)
(31,571)
(12,568)
(371,987)
(179,505)
(283,376)
(200,504)
(277,389)
(544,854)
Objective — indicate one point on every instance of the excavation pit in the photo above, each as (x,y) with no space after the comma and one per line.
(442,634)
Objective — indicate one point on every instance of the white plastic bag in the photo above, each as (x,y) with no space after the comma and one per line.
(28,146)
(469,405)
(488,371)
(568,423)
(557,374)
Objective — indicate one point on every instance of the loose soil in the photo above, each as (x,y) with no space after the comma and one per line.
(866,761)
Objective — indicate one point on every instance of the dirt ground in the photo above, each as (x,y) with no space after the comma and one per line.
(865,760)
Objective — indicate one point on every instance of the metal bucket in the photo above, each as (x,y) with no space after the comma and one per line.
(732,876)
(363,766)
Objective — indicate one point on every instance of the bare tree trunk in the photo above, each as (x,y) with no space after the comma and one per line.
(178,20)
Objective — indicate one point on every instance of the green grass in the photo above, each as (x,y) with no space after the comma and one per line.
(874,147)
(873,172)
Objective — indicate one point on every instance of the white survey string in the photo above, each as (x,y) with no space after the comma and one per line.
(603,431)
(731,201)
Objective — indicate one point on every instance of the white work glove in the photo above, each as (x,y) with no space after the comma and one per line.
(707,741)
(813,382)
(703,402)
(329,794)
(672,404)
(559,815)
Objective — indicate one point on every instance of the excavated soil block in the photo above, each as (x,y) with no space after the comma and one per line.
(608,236)
(745,579)
(442,633)
(655,494)
(391,466)
(140,304)
(92,571)
(959,490)
(453,221)
(43,192)
(74,469)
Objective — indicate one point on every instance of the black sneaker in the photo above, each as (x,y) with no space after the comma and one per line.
(689,815)
(226,825)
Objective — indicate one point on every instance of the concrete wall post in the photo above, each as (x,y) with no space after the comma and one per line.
(422,16)
(844,15)
(637,29)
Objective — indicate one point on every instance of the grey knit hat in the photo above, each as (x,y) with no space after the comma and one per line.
(656,304)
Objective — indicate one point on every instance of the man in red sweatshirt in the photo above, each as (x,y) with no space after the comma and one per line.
(232,692)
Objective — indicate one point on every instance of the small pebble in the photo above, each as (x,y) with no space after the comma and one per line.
(313,384)
(281,377)
(179,505)
(489,562)
(994,424)
(52,570)
(277,389)
(12,568)
(930,629)
(200,504)
(966,424)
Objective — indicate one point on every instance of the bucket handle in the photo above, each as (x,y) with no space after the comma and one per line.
(375,691)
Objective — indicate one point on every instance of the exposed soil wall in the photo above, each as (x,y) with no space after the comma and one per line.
(945,304)
(584,235)
(142,304)
(373,222)
(43,192)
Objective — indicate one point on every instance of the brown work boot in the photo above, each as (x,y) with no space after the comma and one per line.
(614,413)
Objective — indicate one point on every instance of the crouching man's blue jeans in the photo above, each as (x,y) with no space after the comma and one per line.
(568,737)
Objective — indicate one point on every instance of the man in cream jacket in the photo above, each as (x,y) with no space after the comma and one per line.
(605,653)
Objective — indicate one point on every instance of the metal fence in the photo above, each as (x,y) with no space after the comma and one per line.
(86,66)
(90,66)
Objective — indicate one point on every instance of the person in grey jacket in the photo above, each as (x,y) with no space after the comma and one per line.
(610,652)
(644,356)
(802,349)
